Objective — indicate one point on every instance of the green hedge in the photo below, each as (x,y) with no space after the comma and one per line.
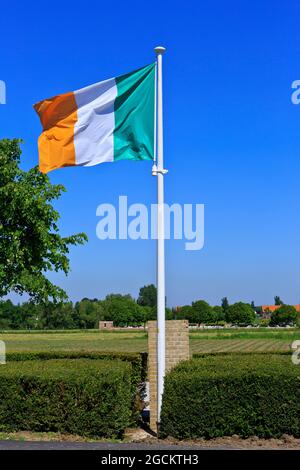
(138,363)
(222,395)
(137,360)
(83,396)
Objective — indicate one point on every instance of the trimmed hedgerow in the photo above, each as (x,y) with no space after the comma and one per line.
(246,395)
(138,363)
(137,360)
(82,396)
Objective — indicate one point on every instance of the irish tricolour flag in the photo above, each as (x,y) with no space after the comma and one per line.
(109,121)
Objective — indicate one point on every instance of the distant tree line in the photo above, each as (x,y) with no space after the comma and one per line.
(124,310)
(239,313)
(200,312)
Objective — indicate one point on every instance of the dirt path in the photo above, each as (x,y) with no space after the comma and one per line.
(136,439)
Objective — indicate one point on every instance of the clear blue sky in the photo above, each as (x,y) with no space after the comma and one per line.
(231,136)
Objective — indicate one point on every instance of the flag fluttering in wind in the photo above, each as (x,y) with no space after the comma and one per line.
(114,120)
(105,122)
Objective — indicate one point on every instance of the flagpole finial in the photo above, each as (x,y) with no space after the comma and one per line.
(159,50)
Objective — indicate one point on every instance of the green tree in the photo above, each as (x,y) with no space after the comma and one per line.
(88,313)
(57,316)
(185,313)
(6,311)
(224,304)
(151,313)
(202,312)
(29,316)
(277,300)
(30,243)
(284,315)
(240,314)
(148,313)
(169,314)
(258,309)
(147,296)
(123,310)
(218,314)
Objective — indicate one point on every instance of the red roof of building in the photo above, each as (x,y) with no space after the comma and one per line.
(272,308)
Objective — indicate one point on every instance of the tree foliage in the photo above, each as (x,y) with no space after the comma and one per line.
(30,243)
(123,310)
(284,315)
(224,304)
(240,314)
(147,296)
(202,312)
(277,300)
(185,313)
(218,314)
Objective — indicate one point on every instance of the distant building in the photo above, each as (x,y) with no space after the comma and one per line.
(266,310)
(106,325)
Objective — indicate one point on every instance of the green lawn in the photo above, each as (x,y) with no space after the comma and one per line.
(202,341)
(239,345)
(243,340)
(286,334)
(129,341)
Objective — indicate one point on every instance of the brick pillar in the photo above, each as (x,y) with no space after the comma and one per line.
(177,349)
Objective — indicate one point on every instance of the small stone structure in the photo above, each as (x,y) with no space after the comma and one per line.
(106,325)
(177,349)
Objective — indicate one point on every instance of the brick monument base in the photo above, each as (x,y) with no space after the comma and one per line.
(177,349)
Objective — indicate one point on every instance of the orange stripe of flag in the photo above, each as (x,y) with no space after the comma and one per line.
(58,116)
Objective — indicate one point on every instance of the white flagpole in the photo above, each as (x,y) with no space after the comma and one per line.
(159,172)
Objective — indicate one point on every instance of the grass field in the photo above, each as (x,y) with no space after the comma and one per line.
(243,340)
(127,341)
(201,341)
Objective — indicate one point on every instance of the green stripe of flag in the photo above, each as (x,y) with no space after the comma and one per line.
(134,115)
